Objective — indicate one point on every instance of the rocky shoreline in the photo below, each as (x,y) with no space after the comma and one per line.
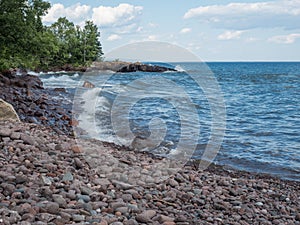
(48,177)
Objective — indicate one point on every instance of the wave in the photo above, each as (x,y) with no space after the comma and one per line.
(179,68)
(61,81)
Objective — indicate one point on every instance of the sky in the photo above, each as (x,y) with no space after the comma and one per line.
(213,30)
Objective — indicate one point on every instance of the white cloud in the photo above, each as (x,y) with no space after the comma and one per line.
(114,37)
(238,16)
(151,38)
(229,35)
(284,39)
(185,30)
(76,13)
(153,25)
(120,15)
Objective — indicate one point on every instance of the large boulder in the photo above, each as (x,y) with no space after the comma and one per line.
(7,112)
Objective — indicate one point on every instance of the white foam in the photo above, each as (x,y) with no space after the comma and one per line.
(61,81)
(179,68)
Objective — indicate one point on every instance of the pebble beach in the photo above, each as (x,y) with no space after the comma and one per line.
(47,179)
(47,176)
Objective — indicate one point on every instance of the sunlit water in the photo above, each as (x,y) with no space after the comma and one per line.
(262,111)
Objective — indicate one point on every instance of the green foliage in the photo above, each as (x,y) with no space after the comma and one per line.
(26,43)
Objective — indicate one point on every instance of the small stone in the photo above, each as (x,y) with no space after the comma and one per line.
(85,198)
(8,189)
(27,139)
(122,210)
(122,185)
(52,207)
(103,222)
(5,132)
(78,218)
(59,199)
(77,149)
(78,163)
(297,217)
(116,223)
(131,222)
(85,190)
(115,205)
(163,218)
(68,177)
(46,180)
(127,197)
(65,216)
(173,183)
(259,203)
(145,216)
(20,179)
(15,135)
(45,217)
(71,195)
(169,223)
(118,214)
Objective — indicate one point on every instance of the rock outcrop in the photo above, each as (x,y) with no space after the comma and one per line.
(134,67)
(7,112)
(127,67)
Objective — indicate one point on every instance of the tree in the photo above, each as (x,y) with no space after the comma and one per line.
(25,42)
(20,23)
(91,43)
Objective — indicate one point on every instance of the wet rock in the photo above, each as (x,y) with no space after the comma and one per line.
(88,84)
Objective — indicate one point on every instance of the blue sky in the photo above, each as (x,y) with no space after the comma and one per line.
(213,30)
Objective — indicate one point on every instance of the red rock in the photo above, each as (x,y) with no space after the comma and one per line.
(73,122)
(77,149)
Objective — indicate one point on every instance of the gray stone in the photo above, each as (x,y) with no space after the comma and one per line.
(78,218)
(46,180)
(127,197)
(5,132)
(85,198)
(15,135)
(52,207)
(20,179)
(68,177)
(131,222)
(145,216)
(78,163)
(27,139)
(59,199)
(122,210)
(85,190)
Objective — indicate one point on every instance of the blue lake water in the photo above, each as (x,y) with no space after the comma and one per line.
(262,101)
